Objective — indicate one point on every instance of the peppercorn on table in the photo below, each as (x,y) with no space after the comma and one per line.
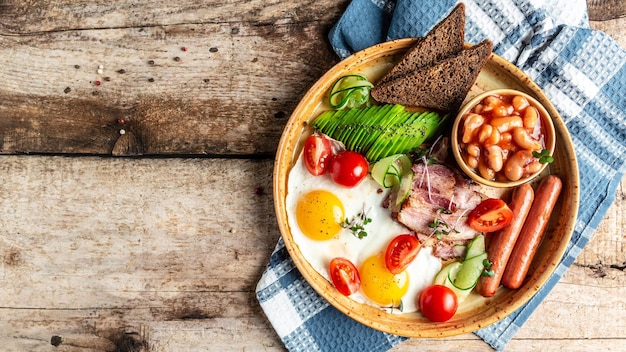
(136,210)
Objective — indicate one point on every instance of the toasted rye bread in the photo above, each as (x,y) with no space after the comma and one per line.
(442,86)
(445,39)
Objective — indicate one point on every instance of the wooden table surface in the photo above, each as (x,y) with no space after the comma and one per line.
(136,212)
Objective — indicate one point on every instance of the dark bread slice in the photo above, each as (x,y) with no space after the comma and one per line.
(442,86)
(445,39)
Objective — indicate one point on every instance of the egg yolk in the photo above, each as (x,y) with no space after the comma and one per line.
(319,214)
(380,285)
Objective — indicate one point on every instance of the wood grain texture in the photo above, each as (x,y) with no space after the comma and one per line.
(200,82)
(95,249)
(602,10)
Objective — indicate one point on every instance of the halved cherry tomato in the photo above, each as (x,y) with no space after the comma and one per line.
(492,214)
(345,276)
(400,253)
(317,154)
(348,168)
(438,303)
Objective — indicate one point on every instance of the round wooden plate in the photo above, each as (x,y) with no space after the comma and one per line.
(475,312)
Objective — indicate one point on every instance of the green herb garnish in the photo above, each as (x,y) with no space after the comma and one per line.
(488,271)
(440,227)
(543,156)
(444,211)
(357,224)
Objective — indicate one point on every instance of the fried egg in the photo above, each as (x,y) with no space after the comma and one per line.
(316,207)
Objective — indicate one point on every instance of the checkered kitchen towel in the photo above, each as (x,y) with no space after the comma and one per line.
(582,71)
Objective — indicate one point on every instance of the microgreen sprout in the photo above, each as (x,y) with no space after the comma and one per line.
(543,156)
(440,227)
(357,224)
(444,211)
(488,271)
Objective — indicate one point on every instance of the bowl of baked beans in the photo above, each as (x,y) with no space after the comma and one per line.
(503,138)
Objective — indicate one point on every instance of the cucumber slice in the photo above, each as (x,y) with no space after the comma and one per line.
(463,276)
(395,172)
(350,91)
(470,272)
(475,247)
(447,275)
(449,270)
(404,188)
(461,294)
(389,171)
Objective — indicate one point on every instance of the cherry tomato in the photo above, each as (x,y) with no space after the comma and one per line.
(348,168)
(490,215)
(400,253)
(345,276)
(317,154)
(438,303)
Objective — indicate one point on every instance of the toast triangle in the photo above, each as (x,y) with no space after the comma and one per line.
(442,86)
(445,39)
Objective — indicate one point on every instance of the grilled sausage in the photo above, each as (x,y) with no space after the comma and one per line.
(529,238)
(502,242)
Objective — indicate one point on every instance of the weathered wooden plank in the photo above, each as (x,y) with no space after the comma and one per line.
(602,10)
(148,328)
(41,16)
(188,78)
(103,231)
(229,93)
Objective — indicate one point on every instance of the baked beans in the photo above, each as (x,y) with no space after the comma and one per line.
(498,136)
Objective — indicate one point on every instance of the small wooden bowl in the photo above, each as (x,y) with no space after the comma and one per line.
(475,312)
(548,129)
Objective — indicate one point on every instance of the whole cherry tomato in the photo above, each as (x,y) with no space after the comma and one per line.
(490,215)
(438,303)
(345,276)
(401,251)
(348,168)
(317,154)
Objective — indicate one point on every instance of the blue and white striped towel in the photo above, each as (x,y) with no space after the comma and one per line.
(582,71)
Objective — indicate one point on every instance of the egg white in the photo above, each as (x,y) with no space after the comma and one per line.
(366,195)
